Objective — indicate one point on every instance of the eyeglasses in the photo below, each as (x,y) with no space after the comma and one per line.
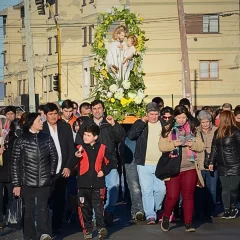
(166,118)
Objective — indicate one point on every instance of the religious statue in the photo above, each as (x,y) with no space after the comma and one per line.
(120,55)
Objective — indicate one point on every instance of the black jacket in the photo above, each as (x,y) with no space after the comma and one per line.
(5,170)
(139,132)
(226,153)
(34,160)
(65,137)
(109,136)
(94,158)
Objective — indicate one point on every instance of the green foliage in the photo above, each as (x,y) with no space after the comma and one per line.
(131,100)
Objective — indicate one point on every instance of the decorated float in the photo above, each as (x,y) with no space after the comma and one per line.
(118,65)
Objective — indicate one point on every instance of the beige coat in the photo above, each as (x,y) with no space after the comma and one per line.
(207,137)
(167,145)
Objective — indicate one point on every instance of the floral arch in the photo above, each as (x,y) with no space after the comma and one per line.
(121,97)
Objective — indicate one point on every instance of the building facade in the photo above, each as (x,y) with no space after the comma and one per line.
(213,36)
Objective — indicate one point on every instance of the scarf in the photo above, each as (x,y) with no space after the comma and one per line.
(183,133)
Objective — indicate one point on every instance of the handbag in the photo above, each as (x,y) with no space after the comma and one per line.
(206,156)
(14,213)
(168,166)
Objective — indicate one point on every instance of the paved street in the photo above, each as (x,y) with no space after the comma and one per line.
(125,229)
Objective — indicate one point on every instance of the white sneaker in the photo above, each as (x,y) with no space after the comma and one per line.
(45,237)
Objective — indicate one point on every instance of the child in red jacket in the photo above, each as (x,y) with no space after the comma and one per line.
(93,165)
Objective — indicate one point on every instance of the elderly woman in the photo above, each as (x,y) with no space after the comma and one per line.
(226,154)
(179,139)
(206,197)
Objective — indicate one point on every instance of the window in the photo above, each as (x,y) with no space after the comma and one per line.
(92,80)
(22,15)
(209,69)
(23,52)
(4,25)
(91,34)
(5,90)
(4,53)
(84,36)
(49,46)
(24,87)
(199,24)
(84,3)
(56,7)
(50,77)
(210,23)
(19,89)
(56,41)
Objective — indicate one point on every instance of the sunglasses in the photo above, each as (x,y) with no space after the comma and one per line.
(166,118)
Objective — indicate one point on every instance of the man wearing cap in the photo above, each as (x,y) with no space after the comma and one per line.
(146,132)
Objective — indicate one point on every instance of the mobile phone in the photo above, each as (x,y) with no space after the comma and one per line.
(79,150)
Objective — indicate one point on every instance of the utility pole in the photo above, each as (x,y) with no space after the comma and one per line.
(59,53)
(30,59)
(184,48)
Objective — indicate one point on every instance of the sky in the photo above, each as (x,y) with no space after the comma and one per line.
(3,4)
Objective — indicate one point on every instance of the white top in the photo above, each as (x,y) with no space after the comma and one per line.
(115,57)
(54,135)
(129,52)
(153,153)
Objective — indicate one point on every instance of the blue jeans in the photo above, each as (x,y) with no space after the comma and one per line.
(205,198)
(153,190)
(132,177)
(112,184)
(134,188)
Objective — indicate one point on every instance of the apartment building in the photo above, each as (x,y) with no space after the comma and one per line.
(213,35)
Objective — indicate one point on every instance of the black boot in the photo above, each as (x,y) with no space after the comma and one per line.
(165,224)
(226,214)
(233,212)
(189,227)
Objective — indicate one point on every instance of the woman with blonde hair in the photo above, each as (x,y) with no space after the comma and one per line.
(226,155)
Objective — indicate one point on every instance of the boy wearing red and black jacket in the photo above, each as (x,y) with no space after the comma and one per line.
(93,165)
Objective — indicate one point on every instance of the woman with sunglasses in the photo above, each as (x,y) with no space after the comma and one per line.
(166,114)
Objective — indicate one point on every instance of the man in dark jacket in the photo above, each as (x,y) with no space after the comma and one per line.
(62,135)
(34,162)
(111,133)
(146,132)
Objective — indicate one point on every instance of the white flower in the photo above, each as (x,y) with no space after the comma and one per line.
(132,95)
(118,95)
(100,89)
(126,84)
(120,90)
(109,94)
(100,60)
(109,10)
(97,67)
(140,94)
(137,100)
(113,88)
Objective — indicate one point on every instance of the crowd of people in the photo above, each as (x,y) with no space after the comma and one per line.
(70,161)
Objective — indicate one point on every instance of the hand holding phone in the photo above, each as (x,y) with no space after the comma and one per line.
(79,152)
